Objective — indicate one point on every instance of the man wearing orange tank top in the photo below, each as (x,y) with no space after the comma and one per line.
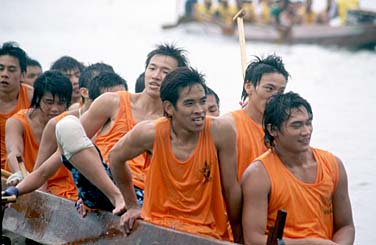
(192,161)
(13,95)
(263,78)
(309,183)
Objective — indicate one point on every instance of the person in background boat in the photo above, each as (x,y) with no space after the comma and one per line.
(263,78)
(110,117)
(225,12)
(71,68)
(343,6)
(289,15)
(140,83)
(191,158)
(249,8)
(307,15)
(309,183)
(212,101)
(33,70)
(103,79)
(13,94)
(204,11)
(189,9)
(262,11)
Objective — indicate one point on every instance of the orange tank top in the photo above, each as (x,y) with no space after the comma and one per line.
(23,103)
(186,195)
(249,140)
(30,144)
(124,122)
(61,183)
(309,206)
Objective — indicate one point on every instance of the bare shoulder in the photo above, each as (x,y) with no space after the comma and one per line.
(255,174)
(142,135)
(107,102)
(222,130)
(108,98)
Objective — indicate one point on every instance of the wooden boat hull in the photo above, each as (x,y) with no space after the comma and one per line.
(349,36)
(49,219)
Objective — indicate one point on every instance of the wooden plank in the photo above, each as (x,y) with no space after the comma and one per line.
(48,219)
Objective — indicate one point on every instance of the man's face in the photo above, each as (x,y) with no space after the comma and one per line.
(52,106)
(74,76)
(157,69)
(190,110)
(270,84)
(211,103)
(32,73)
(295,133)
(10,73)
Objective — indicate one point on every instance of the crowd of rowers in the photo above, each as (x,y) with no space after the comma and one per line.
(157,155)
(281,12)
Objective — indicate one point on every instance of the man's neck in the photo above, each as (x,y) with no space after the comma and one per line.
(251,111)
(294,159)
(8,97)
(145,107)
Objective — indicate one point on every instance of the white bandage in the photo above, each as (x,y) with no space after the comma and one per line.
(71,136)
(15,176)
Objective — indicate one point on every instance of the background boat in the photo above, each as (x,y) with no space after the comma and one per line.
(358,33)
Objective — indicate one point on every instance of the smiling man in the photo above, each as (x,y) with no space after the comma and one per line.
(192,162)
(309,183)
(13,95)
(263,78)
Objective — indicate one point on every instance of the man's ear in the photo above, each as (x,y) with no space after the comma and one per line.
(84,92)
(272,130)
(248,87)
(168,108)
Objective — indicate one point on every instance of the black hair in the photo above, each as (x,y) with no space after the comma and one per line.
(168,50)
(32,62)
(140,83)
(105,80)
(67,63)
(12,49)
(91,71)
(211,91)
(55,83)
(258,67)
(278,110)
(178,79)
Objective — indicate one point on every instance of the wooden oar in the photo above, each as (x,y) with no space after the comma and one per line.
(5,173)
(239,18)
(21,165)
(8,199)
(276,232)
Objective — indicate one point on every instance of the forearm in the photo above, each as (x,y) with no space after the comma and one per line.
(32,182)
(345,235)
(123,179)
(234,208)
(12,159)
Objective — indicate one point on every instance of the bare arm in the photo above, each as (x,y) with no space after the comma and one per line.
(101,110)
(38,177)
(48,144)
(135,142)
(343,220)
(255,187)
(225,138)
(14,142)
